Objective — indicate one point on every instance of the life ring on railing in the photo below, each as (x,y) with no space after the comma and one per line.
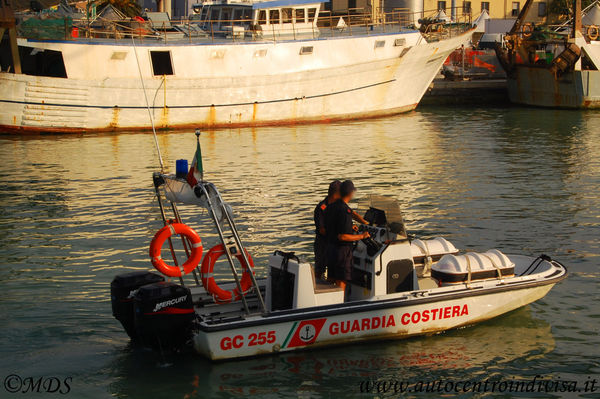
(159,239)
(593,32)
(527,29)
(139,26)
(210,285)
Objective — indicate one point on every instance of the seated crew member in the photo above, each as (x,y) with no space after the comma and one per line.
(333,194)
(341,236)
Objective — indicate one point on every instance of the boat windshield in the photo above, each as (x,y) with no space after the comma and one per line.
(382,211)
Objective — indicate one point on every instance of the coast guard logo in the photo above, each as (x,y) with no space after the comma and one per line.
(308,333)
(304,333)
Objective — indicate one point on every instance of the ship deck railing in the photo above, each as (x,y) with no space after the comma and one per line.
(355,22)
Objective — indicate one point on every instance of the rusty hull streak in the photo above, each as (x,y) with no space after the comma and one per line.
(24,130)
(115,118)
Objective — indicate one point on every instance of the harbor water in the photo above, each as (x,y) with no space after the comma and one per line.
(77,210)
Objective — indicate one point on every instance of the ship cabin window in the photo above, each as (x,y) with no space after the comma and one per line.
(262,17)
(286,15)
(35,61)
(215,14)
(305,50)
(161,63)
(241,16)
(516,8)
(226,14)
(274,17)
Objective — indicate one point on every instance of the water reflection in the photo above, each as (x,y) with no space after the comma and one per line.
(76,210)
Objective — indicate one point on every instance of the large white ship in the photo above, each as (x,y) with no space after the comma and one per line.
(279,66)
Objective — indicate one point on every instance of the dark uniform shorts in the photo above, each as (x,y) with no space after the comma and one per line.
(320,255)
(339,261)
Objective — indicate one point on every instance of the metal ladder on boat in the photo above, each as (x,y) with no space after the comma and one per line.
(215,204)
(204,188)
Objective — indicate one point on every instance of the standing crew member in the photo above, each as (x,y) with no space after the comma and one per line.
(341,236)
(333,194)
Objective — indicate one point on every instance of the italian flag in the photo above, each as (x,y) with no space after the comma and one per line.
(195,174)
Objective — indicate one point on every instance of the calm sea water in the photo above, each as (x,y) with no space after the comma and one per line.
(76,210)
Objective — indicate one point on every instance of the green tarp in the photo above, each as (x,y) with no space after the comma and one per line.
(47,28)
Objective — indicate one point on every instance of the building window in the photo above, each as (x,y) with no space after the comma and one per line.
(274,16)
(485,6)
(541,9)
(441,6)
(516,8)
(299,15)
(466,7)
(161,63)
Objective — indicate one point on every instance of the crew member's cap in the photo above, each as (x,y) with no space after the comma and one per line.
(334,187)
(347,188)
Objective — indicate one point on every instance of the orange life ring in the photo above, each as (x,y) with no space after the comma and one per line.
(159,239)
(595,30)
(210,285)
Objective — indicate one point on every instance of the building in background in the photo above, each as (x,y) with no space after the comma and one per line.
(497,9)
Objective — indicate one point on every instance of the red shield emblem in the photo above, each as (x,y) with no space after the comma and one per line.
(306,332)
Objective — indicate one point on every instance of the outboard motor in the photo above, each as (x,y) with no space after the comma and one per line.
(164,315)
(122,289)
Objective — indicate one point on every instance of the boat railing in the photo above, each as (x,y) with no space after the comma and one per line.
(355,22)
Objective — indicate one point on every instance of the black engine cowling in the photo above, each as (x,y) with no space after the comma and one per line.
(164,315)
(121,293)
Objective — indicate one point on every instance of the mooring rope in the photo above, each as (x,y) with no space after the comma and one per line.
(160,160)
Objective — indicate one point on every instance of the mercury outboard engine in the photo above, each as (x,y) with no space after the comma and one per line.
(122,289)
(164,315)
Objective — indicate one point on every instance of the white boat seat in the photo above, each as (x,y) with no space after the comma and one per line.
(307,291)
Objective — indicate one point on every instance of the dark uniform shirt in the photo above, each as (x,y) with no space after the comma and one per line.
(319,216)
(338,220)
(320,239)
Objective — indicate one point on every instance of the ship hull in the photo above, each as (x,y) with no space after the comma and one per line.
(324,329)
(226,85)
(536,86)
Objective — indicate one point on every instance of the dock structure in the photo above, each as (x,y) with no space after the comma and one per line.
(8,25)
(448,92)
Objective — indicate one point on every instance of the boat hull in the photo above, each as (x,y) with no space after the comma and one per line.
(312,330)
(536,86)
(344,78)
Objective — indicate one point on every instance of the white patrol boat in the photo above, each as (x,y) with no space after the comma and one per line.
(400,286)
